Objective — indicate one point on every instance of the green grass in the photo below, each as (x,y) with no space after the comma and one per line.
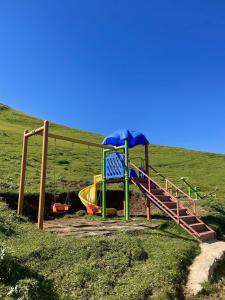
(205,170)
(123,266)
(150,265)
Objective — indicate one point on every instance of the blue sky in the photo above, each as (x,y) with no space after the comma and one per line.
(154,66)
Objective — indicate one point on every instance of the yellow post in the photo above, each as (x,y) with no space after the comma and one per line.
(22,174)
(43,176)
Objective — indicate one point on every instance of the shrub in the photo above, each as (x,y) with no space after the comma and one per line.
(25,289)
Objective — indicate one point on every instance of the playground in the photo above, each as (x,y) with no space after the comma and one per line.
(79,247)
(117,168)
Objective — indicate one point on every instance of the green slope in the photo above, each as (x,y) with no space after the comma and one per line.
(205,170)
(119,267)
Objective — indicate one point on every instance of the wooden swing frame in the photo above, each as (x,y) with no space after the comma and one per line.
(44,132)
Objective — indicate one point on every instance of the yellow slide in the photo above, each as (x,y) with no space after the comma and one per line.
(88,195)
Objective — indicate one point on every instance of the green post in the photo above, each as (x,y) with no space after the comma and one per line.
(103,186)
(189,191)
(127,208)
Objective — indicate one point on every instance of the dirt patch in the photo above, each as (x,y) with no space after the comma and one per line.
(114,199)
(80,227)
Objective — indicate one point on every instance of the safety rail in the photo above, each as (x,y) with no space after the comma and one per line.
(177,201)
(168,185)
(157,173)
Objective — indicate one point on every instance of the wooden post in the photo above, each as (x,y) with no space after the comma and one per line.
(124,201)
(22,174)
(148,208)
(178,211)
(43,176)
(194,208)
(127,181)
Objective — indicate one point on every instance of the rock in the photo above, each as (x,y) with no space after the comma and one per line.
(80,213)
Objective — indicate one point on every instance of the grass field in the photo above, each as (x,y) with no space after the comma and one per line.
(150,265)
(123,266)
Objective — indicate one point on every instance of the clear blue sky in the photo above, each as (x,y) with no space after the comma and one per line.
(155,66)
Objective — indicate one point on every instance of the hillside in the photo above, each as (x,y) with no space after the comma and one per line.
(76,164)
(148,265)
(70,162)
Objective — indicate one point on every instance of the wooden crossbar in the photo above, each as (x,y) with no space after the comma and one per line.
(35,131)
(78,141)
(40,130)
(44,132)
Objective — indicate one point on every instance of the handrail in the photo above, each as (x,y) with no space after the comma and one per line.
(193,189)
(211,193)
(149,166)
(170,182)
(167,183)
(157,173)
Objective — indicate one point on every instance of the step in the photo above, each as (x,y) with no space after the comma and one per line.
(182,212)
(157,191)
(146,185)
(164,198)
(190,219)
(208,235)
(199,228)
(170,204)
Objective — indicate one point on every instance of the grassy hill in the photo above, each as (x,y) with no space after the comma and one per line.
(77,162)
(148,265)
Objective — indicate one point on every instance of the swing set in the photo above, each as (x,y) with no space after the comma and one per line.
(57,207)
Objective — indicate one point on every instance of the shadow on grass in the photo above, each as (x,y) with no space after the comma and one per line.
(217,222)
(178,236)
(5,228)
(166,233)
(13,274)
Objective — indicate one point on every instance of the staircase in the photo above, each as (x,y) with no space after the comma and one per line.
(173,206)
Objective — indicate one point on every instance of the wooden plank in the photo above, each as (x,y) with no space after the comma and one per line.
(35,131)
(22,174)
(43,176)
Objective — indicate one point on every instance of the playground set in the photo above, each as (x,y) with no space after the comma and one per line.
(118,168)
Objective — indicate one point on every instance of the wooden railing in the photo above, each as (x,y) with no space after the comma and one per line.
(169,187)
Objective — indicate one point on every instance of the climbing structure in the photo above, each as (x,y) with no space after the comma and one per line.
(118,167)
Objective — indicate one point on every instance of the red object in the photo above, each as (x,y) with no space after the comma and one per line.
(93,209)
(60,207)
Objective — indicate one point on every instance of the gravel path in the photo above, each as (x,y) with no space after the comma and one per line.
(204,264)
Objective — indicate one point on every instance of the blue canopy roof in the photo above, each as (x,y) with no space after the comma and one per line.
(118,137)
